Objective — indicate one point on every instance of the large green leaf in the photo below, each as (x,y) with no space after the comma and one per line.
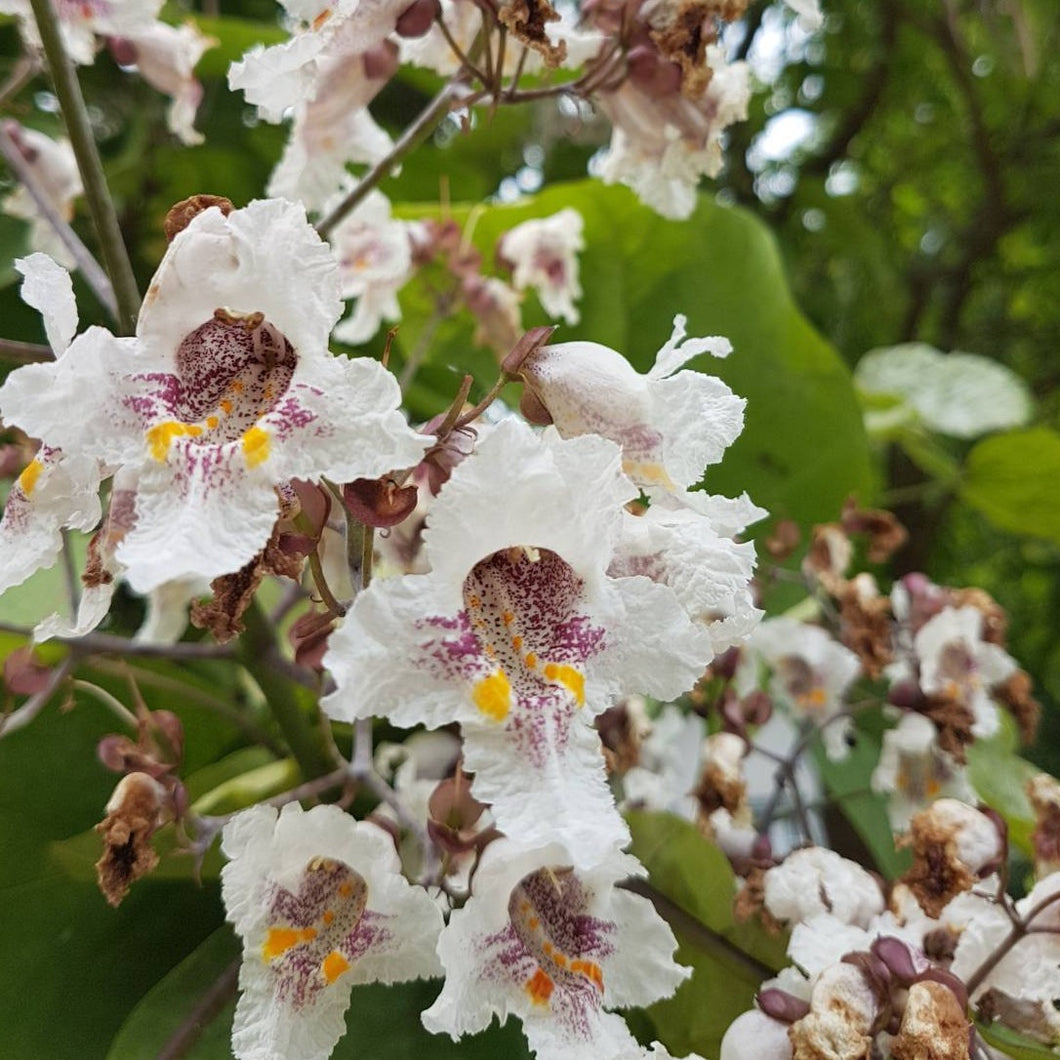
(804,448)
(383,1022)
(1011,478)
(729,959)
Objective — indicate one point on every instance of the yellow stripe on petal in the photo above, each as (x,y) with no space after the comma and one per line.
(570,678)
(160,436)
(493,696)
(334,965)
(256,446)
(27,481)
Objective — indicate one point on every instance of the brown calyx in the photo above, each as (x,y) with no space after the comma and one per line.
(1015,695)
(232,593)
(953,720)
(885,533)
(184,212)
(934,1025)
(937,874)
(865,627)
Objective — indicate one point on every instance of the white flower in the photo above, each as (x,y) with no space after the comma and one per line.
(661,146)
(710,573)
(669,765)
(284,75)
(320,905)
(1025,983)
(809,12)
(81,21)
(227,390)
(55,172)
(817,880)
(811,674)
(375,261)
(166,57)
(957,663)
(913,770)
(543,254)
(55,491)
(519,634)
(756,1036)
(670,424)
(332,129)
(556,947)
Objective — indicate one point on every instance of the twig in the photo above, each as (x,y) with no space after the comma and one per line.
(94,276)
(112,703)
(79,129)
(25,352)
(424,124)
(107,643)
(205,1010)
(701,934)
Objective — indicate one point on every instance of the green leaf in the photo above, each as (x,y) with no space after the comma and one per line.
(999,777)
(1011,478)
(804,447)
(964,395)
(729,959)
(383,1022)
(847,782)
(1013,1045)
(234,36)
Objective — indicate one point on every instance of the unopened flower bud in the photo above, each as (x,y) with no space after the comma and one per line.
(380,62)
(24,674)
(379,502)
(781,1005)
(123,50)
(417,18)
(901,960)
(653,74)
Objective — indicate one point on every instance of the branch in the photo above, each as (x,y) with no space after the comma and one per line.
(79,129)
(24,352)
(94,276)
(424,124)
(206,1009)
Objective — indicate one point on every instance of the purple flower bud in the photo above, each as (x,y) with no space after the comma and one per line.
(780,1005)
(901,960)
(417,18)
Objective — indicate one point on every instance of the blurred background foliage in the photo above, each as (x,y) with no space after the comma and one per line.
(897,174)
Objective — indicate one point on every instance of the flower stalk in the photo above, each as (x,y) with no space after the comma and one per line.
(79,128)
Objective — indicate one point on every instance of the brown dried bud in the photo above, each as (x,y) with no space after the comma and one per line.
(934,1025)
(526,20)
(379,502)
(1044,793)
(621,730)
(134,814)
(1015,695)
(784,539)
(865,623)
(885,533)
(184,212)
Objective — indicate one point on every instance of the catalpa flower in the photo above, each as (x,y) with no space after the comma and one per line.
(375,261)
(80,21)
(227,390)
(543,254)
(519,634)
(166,57)
(55,491)
(334,128)
(55,170)
(320,904)
(670,424)
(811,675)
(556,947)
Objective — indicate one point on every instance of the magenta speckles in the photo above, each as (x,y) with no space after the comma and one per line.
(317,933)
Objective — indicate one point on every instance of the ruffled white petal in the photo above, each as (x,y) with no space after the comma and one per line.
(48,289)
